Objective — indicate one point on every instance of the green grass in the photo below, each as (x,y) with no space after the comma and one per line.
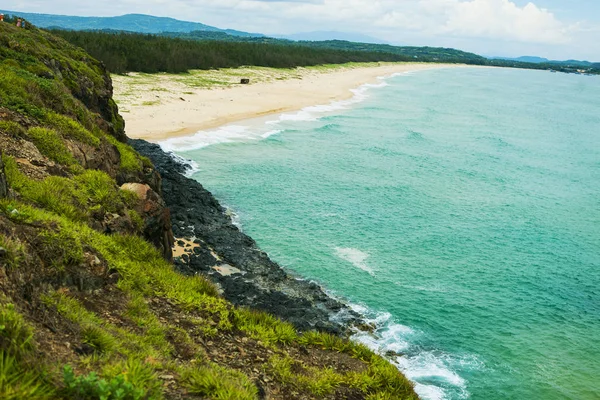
(12,128)
(380,380)
(18,383)
(19,374)
(15,335)
(50,144)
(219,383)
(15,251)
(145,274)
(75,198)
(130,160)
(71,128)
(265,327)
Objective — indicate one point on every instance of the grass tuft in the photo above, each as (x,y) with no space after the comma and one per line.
(15,335)
(265,327)
(17,383)
(50,144)
(219,383)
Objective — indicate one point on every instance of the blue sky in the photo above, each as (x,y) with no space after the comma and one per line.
(548,28)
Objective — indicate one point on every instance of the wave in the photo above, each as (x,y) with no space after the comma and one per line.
(432,371)
(225,134)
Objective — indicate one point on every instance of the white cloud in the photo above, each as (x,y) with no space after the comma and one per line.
(425,22)
(495,19)
(503,19)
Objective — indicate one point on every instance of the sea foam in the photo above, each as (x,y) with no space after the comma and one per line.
(355,257)
(432,372)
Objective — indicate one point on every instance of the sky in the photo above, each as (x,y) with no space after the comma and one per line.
(556,29)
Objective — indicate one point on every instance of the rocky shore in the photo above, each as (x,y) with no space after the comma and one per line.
(219,250)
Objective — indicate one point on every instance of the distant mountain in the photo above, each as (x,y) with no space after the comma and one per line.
(140,23)
(541,60)
(333,35)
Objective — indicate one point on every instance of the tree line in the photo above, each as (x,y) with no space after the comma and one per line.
(125,52)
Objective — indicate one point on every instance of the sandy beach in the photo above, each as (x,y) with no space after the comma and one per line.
(161,106)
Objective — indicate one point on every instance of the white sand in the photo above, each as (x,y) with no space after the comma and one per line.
(156,107)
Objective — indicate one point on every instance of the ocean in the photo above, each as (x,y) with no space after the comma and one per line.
(458,209)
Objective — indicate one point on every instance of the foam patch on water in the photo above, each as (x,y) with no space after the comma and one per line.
(433,372)
(355,257)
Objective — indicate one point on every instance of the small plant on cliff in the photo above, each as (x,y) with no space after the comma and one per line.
(265,327)
(16,383)
(220,383)
(18,379)
(15,334)
(91,387)
(13,251)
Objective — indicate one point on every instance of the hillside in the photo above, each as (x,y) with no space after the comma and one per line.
(140,23)
(90,303)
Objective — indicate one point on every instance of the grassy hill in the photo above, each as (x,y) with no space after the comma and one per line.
(90,305)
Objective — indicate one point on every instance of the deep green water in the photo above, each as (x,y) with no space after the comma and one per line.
(460,208)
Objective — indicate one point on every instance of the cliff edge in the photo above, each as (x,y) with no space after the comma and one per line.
(91,306)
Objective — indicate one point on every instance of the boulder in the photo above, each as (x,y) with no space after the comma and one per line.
(156,216)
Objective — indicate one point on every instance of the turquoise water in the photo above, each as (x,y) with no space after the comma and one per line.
(458,208)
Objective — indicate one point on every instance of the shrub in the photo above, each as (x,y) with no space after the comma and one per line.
(91,387)
(138,373)
(12,128)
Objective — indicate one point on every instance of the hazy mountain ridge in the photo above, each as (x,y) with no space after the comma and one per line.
(332,35)
(139,23)
(542,60)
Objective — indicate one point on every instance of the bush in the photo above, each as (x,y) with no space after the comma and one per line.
(92,387)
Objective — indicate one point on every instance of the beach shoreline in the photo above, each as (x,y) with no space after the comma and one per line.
(163,106)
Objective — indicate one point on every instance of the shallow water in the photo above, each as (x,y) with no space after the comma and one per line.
(458,208)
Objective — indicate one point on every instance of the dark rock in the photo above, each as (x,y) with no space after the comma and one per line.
(264,284)
(3,181)
(84,349)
